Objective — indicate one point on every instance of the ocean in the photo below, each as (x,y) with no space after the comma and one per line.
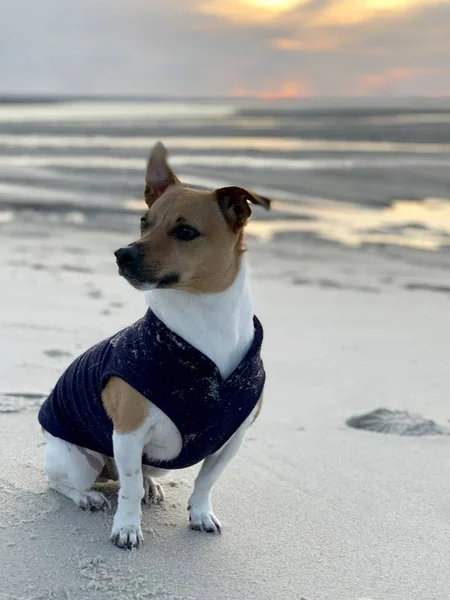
(353,173)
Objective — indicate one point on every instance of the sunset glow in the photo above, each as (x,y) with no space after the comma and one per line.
(275,5)
(309,44)
(248,11)
(385,80)
(284,91)
(351,12)
(272,49)
(335,29)
(334,12)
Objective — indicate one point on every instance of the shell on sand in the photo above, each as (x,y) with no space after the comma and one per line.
(397,422)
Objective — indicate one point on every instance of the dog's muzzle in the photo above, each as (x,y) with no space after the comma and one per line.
(128,260)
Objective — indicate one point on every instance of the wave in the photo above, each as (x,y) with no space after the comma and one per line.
(89,161)
(267,144)
(110,111)
(146,142)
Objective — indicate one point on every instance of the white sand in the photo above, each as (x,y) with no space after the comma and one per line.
(310,508)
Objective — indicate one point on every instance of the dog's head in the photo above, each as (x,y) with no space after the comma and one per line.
(190,239)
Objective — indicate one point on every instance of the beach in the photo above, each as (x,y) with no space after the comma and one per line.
(350,280)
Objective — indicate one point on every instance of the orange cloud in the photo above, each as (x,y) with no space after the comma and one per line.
(248,11)
(315,44)
(352,12)
(334,12)
(378,82)
(289,89)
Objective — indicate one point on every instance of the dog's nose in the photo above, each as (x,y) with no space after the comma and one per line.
(127,257)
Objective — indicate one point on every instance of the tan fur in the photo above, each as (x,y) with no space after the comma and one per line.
(258,407)
(208,263)
(126,407)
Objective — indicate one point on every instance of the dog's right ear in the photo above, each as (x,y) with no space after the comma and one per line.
(158,175)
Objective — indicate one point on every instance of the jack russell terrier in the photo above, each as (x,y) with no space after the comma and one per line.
(179,386)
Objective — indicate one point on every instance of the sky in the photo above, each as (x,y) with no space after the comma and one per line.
(211,48)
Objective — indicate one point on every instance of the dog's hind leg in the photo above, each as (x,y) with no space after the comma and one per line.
(153,491)
(72,471)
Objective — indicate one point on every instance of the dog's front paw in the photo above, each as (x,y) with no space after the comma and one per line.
(127,536)
(202,518)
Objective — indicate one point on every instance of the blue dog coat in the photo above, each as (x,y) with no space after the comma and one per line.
(179,379)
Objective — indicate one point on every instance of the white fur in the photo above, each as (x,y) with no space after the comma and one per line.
(221,327)
(72,471)
(201,514)
(126,531)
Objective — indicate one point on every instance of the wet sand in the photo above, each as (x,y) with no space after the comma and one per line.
(353,174)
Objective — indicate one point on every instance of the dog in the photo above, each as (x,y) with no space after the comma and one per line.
(179,386)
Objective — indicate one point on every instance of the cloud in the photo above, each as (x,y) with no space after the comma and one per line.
(298,88)
(248,12)
(308,43)
(351,12)
(404,54)
(386,81)
(214,48)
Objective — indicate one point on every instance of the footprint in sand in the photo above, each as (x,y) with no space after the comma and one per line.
(116,304)
(75,268)
(95,293)
(19,401)
(55,353)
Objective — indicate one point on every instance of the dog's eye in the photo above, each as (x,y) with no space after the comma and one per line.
(143,223)
(185,233)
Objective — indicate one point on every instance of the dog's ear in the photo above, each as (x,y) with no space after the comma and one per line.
(158,175)
(234,204)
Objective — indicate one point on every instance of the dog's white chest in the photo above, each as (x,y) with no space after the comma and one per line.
(219,325)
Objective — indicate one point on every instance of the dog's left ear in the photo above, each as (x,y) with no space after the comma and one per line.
(158,175)
(234,204)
